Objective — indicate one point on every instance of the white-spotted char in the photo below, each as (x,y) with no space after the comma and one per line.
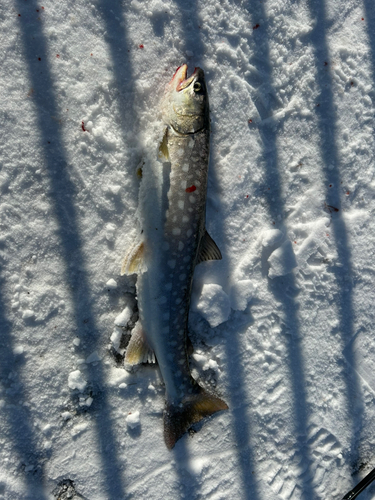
(165,257)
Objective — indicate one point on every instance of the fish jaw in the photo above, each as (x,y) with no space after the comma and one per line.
(179,76)
(185,103)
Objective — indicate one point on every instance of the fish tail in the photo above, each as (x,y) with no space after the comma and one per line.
(179,417)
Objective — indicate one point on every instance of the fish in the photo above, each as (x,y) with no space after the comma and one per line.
(172,240)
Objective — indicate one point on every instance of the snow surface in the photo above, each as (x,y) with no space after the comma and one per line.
(291,96)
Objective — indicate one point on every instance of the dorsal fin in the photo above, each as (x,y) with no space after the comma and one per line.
(208,250)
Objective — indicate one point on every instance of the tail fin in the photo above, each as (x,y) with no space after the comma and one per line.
(180,416)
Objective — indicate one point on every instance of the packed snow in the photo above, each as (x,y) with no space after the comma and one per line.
(282,327)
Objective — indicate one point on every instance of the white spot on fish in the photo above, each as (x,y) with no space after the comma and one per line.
(185,218)
(168,286)
(165,245)
(183,184)
(176,230)
(186,259)
(166,316)
(191,143)
(171,263)
(189,232)
(197,183)
(185,167)
(178,301)
(182,277)
(192,199)
(180,152)
(165,329)
(180,246)
(162,299)
(181,204)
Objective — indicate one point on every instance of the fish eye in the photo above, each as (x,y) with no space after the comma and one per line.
(197,87)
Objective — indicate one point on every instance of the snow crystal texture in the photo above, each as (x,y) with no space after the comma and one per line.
(282,327)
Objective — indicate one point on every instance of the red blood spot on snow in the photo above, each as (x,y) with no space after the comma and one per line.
(352,83)
(327,234)
(256,27)
(363,18)
(330,208)
(330,185)
(43,8)
(141,46)
(19,15)
(295,242)
(190,189)
(83,127)
(348,193)
(57,55)
(90,54)
(250,121)
(325,63)
(37,10)
(39,59)
(247,196)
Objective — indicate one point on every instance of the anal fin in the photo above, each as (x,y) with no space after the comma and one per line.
(138,350)
(208,250)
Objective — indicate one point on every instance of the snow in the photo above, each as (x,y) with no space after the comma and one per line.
(271,237)
(111,284)
(94,356)
(133,420)
(241,293)
(123,318)
(284,328)
(76,380)
(213,304)
(282,260)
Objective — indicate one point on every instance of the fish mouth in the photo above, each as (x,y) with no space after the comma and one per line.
(180,79)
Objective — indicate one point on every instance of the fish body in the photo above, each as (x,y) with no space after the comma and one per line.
(165,256)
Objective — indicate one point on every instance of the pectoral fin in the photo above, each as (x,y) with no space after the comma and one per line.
(138,350)
(133,260)
(208,250)
(163,148)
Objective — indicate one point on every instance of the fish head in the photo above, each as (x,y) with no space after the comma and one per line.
(185,103)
